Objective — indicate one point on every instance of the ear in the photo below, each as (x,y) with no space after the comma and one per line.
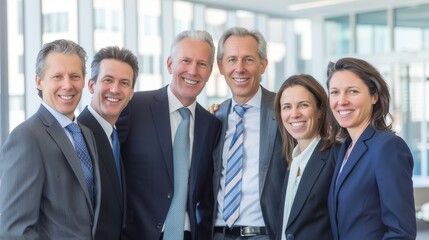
(264,65)
(220,66)
(38,81)
(374,98)
(91,87)
(169,63)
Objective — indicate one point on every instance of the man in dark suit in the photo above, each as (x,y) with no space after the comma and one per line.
(242,59)
(47,189)
(113,76)
(147,127)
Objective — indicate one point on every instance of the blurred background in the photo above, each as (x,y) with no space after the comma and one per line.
(303,36)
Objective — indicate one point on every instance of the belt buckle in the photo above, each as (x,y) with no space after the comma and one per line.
(248,231)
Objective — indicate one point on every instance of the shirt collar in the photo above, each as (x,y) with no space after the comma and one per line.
(103,123)
(254,102)
(174,103)
(61,118)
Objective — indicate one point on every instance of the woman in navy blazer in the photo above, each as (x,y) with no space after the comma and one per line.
(371,193)
(300,107)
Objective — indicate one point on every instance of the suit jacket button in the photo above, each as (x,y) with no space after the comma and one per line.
(159,225)
(290,237)
(169,195)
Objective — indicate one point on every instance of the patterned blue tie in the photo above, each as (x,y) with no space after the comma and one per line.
(175,222)
(84,157)
(231,208)
(116,154)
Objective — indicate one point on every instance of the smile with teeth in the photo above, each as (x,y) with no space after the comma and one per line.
(66,97)
(189,81)
(344,112)
(239,79)
(297,124)
(112,99)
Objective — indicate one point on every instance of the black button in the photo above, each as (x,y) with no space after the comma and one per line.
(159,225)
(169,195)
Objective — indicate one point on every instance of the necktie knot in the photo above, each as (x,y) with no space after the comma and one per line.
(184,112)
(240,110)
(114,135)
(73,128)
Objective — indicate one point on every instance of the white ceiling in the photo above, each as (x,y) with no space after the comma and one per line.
(307,8)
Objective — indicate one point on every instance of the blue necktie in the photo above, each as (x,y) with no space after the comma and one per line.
(175,222)
(117,154)
(84,157)
(231,207)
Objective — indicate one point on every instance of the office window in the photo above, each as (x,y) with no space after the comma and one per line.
(216,23)
(59,20)
(108,23)
(183,16)
(99,19)
(411,32)
(337,35)
(15,79)
(149,44)
(55,22)
(372,34)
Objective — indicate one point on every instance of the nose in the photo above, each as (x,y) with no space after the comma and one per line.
(114,87)
(342,99)
(192,69)
(67,83)
(295,113)
(239,67)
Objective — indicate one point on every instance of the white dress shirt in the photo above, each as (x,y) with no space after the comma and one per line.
(299,162)
(250,207)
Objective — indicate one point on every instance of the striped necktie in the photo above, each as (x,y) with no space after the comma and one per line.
(231,209)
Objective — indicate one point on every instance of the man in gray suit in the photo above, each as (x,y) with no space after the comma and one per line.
(248,202)
(47,189)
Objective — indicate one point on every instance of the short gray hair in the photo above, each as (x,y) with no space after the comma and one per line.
(196,35)
(242,32)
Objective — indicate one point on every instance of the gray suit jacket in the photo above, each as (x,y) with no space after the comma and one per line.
(43,194)
(272,166)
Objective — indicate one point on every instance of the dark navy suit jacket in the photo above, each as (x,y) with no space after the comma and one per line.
(373,197)
(112,210)
(146,146)
(309,217)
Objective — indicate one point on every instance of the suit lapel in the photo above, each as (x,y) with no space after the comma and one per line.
(104,151)
(162,124)
(268,130)
(57,133)
(357,152)
(312,171)
(200,132)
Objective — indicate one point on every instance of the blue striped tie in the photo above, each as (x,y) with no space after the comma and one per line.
(231,209)
(175,222)
(83,156)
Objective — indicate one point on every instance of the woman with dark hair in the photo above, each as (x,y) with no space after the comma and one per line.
(371,193)
(300,107)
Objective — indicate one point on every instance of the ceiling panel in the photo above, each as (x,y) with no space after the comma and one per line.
(306,8)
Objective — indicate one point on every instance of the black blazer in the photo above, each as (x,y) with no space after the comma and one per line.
(112,211)
(309,216)
(146,146)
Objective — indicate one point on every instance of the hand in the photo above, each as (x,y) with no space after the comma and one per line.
(213,108)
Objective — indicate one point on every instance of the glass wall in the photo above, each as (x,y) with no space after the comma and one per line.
(372,35)
(412,28)
(338,35)
(149,44)
(400,51)
(16,85)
